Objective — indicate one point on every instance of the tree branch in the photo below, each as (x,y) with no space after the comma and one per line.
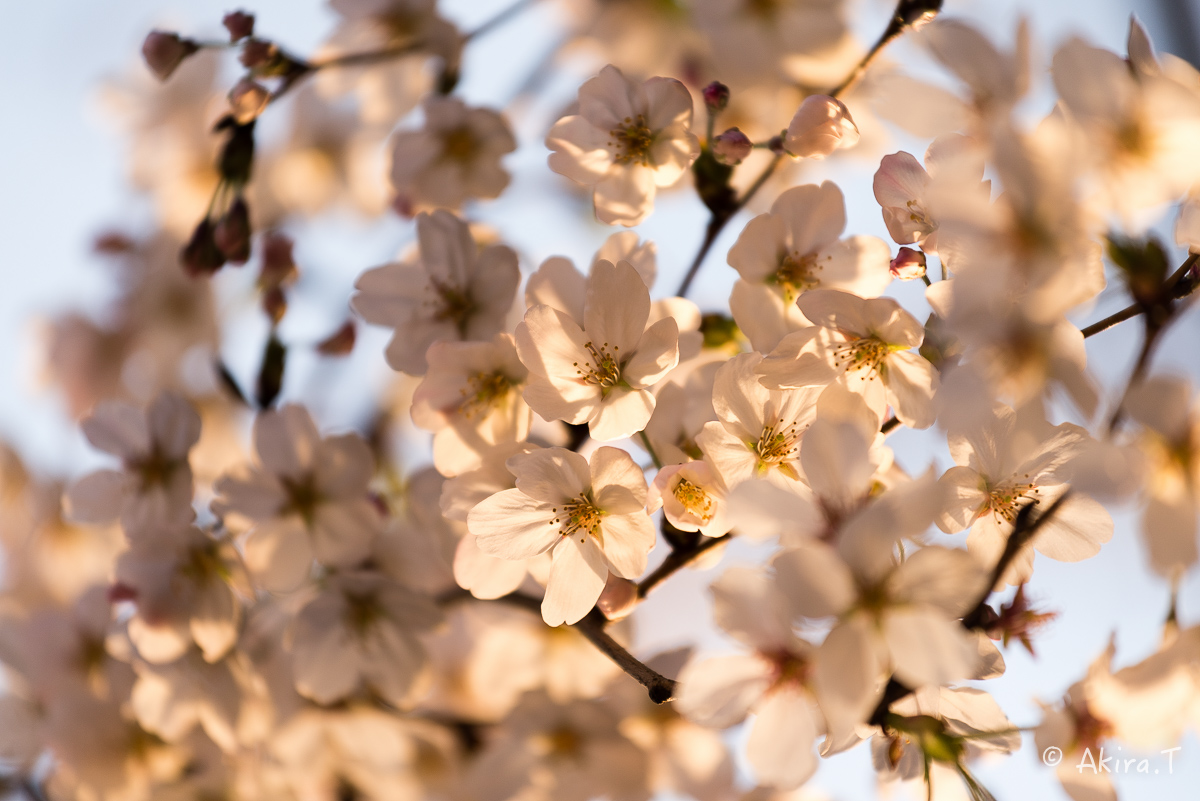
(1180,288)
(908,13)
(679,558)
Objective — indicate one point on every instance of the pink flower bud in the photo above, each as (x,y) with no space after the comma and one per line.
(732,147)
(201,256)
(257,53)
(821,126)
(232,234)
(340,342)
(716,97)
(278,266)
(908,265)
(618,599)
(165,51)
(239,24)
(248,98)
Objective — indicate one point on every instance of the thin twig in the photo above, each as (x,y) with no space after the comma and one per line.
(650,450)
(907,13)
(676,560)
(367,57)
(889,425)
(658,687)
(1179,289)
(499,19)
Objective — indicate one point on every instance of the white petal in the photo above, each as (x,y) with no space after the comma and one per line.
(720,692)
(780,747)
(577,577)
(815,580)
(927,647)
(511,525)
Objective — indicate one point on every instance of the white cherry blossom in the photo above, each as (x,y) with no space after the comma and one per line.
(627,140)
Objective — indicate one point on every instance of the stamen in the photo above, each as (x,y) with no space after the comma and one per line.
(484,391)
(862,355)
(694,499)
(633,141)
(578,518)
(605,368)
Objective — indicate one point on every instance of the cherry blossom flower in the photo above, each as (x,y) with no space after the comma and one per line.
(598,373)
(591,517)
(471,398)
(454,292)
(172,700)
(1171,441)
(758,430)
(796,247)
(820,126)
(454,158)
(360,633)
(184,586)
(1006,464)
(692,496)
(627,140)
(774,681)
(154,487)
(862,343)
(307,499)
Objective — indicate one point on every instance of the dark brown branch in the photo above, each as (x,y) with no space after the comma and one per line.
(890,425)
(678,558)
(908,13)
(1180,287)
(658,687)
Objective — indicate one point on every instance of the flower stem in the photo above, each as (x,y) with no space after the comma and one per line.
(908,13)
(650,450)
(1180,288)
(676,560)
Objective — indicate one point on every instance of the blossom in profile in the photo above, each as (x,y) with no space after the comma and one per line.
(820,126)
(455,291)
(455,157)
(627,140)
(305,500)
(599,373)
(692,497)
(864,344)
(590,516)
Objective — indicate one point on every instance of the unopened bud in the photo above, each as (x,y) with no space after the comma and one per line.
(732,147)
(200,255)
(274,304)
(237,156)
(165,51)
(909,264)
(916,13)
(340,342)
(232,233)
(248,98)
(716,97)
(258,53)
(821,125)
(278,267)
(239,24)
(619,597)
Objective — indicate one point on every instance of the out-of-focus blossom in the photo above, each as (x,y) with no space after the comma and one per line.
(454,158)
(455,291)
(165,51)
(820,126)
(627,140)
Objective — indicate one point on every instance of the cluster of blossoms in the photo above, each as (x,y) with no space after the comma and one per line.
(243,605)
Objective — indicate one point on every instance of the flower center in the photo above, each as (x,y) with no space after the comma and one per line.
(303,497)
(694,500)
(459,145)
(455,305)
(604,370)
(918,214)
(577,517)
(483,392)
(1005,502)
(204,564)
(862,355)
(155,470)
(796,274)
(777,446)
(362,612)
(788,669)
(632,141)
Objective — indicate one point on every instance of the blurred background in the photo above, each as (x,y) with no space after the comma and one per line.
(68,71)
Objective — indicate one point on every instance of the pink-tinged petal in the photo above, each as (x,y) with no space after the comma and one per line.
(610,99)
(949,579)
(486,576)
(618,484)
(550,343)
(557,284)
(820,126)
(626,541)
(759,248)
(911,381)
(344,466)
(343,532)
(673,151)
(657,354)
(801,359)
(899,179)
(1169,531)
(763,314)
(729,455)
(118,428)
(97,497)
(814,216)
(616,308)
(918,107)
(848,676)
(1086,784)
(622,414)
(964,499)
(578,573)
(214,623)
(836,462)
(326,663)
(551,476)
(780,747)
(860,264)
(747,604)
(392,661)
(257,495)
(927,647)
(561,400)
(887,320)
(832,308)
(760,510)
(626,195)
(986,542)
(1076,531)
(738,398)
(158,645)
(580,150)
(279,555)
(286,440)
(511,525)
(668,102)
(447,248)
(174,425)
(815,580)
(720,692)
